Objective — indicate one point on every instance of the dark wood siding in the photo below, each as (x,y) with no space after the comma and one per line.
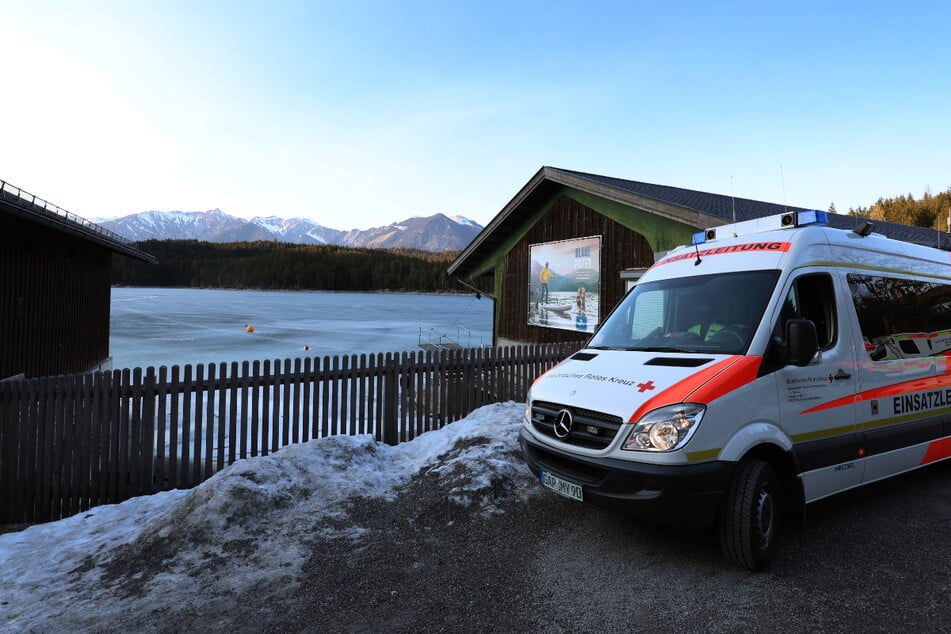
(54,300)
(621,249)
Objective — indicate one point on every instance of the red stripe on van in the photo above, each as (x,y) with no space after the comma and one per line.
(937,450)
(742,372)
(706,385)
(773,246)
(896,389)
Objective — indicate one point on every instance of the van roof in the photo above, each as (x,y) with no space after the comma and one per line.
(798,238)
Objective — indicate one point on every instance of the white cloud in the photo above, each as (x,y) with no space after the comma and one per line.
(71,136)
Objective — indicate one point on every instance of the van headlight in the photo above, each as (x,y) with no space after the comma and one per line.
(665,429)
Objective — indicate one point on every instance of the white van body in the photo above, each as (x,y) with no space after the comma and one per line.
(756,370)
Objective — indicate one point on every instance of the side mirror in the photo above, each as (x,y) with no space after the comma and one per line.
(802,342)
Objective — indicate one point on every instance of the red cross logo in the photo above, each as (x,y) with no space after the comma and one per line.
(643,387)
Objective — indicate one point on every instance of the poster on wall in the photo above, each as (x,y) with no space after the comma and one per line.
(565,284)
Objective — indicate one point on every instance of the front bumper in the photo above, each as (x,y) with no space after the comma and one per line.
(681,495)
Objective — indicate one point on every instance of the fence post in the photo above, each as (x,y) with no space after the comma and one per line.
(161,466)
(150,483)
(134,445)
(175,429)
(378,395)
(391,377)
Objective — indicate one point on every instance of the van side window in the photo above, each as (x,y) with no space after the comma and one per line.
(902,318)
(811,297)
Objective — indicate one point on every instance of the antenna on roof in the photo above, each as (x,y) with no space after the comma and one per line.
(782,178)
(733,203)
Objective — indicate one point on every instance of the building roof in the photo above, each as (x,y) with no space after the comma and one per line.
(727,208)
(16,202)
(694,208)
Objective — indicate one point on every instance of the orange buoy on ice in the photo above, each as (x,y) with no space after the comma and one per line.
(249,328)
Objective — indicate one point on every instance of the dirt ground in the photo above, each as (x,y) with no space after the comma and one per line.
(872,560)
(869,560)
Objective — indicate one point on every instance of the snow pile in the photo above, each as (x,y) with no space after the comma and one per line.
(253,523)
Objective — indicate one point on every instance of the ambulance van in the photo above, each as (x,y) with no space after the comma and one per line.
(749,374)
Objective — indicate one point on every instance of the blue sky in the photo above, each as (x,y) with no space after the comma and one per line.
(358,113)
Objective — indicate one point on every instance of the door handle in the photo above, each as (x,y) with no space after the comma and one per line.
(841,374)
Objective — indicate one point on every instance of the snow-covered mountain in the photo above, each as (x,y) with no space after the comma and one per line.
(433,233)
(298,230)
(174,225)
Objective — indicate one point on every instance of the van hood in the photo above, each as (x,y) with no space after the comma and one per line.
(629,384)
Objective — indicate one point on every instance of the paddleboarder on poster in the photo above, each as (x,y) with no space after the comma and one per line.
(563,283)
(544,276)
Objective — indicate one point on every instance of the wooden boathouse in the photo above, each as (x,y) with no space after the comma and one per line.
(55,287)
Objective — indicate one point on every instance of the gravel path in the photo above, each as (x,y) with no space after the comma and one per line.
(516,558)
(871,560)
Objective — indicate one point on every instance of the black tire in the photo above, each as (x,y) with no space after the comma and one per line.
(750,517)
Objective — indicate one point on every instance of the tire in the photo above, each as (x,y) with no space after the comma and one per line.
(750,517)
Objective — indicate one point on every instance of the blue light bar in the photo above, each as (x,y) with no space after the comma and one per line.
(700,237)
(811,217)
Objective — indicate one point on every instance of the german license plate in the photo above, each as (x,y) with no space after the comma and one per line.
(562,487)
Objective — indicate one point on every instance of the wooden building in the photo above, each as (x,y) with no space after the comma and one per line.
(55,287)
(601,232)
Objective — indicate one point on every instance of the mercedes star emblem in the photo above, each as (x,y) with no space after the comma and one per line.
(563,423)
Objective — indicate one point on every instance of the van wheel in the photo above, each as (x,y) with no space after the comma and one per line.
(750,517)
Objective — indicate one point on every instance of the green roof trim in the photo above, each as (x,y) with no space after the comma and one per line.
(498,254)
(662,234)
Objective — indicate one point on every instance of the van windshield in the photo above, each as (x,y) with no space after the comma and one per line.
(706,313)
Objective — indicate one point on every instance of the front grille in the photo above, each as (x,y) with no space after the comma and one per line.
(580,472)
(589,429)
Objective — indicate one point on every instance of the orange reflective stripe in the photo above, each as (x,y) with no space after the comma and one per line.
(747,247)
(937,450)
(741,373)
(706,385)
(896,389)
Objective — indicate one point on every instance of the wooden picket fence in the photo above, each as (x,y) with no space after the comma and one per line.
(68,443)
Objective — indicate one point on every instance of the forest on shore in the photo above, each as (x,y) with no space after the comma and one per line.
(929,211)
(285,266)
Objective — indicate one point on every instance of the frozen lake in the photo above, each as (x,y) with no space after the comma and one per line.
(171,326)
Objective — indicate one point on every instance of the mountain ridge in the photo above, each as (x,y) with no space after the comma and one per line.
(435,233)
